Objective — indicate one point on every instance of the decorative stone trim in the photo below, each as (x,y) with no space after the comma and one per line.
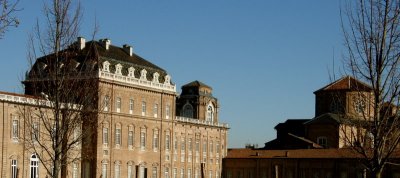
(141,82)
(201,122)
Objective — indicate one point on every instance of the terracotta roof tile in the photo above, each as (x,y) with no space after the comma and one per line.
(346,83)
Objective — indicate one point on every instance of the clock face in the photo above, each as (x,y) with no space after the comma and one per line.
(359,105)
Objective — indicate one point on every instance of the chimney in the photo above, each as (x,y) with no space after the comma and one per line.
(106,43)
(128,49)
(81,42)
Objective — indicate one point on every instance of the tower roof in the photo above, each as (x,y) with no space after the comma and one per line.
(196,83)
(346,83)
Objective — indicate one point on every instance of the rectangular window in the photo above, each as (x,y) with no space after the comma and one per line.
(166,172)
(182,173)
(210,174)
(211,148)
(190,145)
(175,173)
(176,144)
(105,136)
(106,102)
(130,139)
(197,146)
(118,136)
(14,168)
(117,171)
(155,110)
(323,141)
(130,171)
(204,151)
(131,106)
(143,108)
(118,104)
(155,140)
(183,144)
(217,147)
(167,111)
(183,147)
(196,173)
(154,172)
(35,131)
(104,170)
(75,170)
(167,141)
(189,173)
(143,139)
(15,129)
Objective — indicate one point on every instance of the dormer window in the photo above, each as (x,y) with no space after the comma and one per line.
(131,72)
(118,69)
(106,66)
(143,74)
(167,79)
(155,77)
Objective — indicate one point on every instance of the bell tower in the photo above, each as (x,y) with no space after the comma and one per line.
(346,96)
(196,101)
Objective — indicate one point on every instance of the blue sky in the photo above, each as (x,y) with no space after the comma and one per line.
(263,58)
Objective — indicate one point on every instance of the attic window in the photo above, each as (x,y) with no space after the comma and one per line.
(118,69)
(155,77)
(167,79)
(143,74)
(131,72)
(323,141)
(106,66)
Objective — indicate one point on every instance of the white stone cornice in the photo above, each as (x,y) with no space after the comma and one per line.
(135,81)
(201,122)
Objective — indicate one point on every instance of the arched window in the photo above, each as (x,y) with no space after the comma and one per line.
(34,166)
(210,113)
(187,110)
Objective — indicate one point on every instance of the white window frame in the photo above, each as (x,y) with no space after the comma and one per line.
(117,170)
(154,172)
(105,136)
(104,170)
(210,113)
(14,168)
(118,104)
(131,138)
(131,106)
(142,139)
(118,140)
(34,166)
(155,110)
(167,141)
(156,139)
(15,129)
(130,170)
(167,111)
(74,170)
(106,102)
(35,131)
(143,108)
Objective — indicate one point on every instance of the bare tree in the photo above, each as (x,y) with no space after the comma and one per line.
(63,77)
(7,18)
(372,38)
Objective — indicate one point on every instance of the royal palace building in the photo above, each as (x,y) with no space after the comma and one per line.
(143,127)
